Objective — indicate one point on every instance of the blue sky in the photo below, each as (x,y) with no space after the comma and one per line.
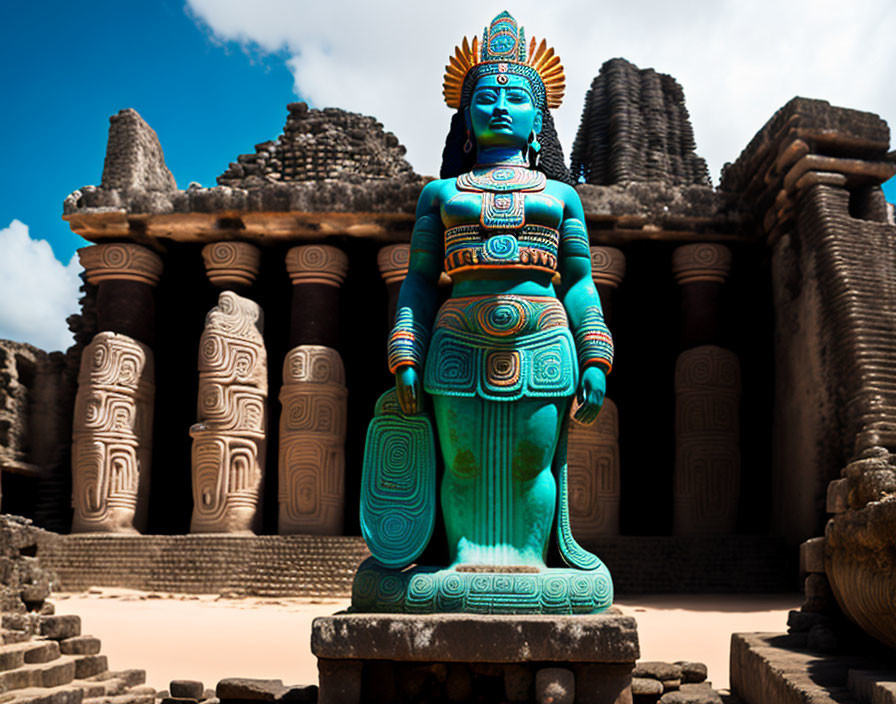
(208,101)
(213,77)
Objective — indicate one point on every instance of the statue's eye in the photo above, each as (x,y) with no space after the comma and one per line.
(485,97)
(517,96)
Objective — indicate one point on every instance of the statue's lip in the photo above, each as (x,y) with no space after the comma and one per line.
(500,122)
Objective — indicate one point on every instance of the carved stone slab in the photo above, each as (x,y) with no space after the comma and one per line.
(707,436)
(593,466)
(229,437)
(311,489)
(112,435)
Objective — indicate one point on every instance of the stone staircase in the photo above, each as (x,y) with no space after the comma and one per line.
(44,659)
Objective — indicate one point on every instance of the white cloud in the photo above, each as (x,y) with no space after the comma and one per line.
(737,61)
(37,292)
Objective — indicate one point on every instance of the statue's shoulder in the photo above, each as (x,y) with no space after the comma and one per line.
(572,204)
(436,188)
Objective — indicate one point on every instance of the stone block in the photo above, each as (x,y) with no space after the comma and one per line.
(340,681)
(249,689)
(476,638)
(818,593)
(60,627)
(186,689)
(90,665)
(603,684)
(670,685)
(646,686)
(802,621)
(692,672)
(300,694)
(812,556)
(80,645)
(64,695)
(17,654)
(838,496)
(692,694)
(663,671)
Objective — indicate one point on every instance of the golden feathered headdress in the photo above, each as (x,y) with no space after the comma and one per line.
(503,51)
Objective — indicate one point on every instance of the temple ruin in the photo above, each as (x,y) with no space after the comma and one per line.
(205,431)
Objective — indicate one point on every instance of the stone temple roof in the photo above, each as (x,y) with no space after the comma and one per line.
(321,144)
(635,127)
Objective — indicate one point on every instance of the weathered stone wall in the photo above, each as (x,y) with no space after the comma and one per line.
(36,396)
(810,177)
(635,127)
(295,565)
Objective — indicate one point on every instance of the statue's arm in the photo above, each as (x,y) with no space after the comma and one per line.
(594,344)
(417,300)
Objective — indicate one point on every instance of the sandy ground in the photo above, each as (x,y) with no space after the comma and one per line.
(208,638)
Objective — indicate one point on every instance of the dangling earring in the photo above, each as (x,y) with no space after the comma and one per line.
(468,145)
(534,148)
(534,144)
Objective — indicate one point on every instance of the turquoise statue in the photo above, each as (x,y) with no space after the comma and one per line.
(500,362)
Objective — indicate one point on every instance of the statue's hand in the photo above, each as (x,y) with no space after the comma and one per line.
(590,395)
(408,390)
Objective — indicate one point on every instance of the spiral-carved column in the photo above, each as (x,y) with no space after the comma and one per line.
(393,261)
(593,454)
(312,424)
(707,399)
(229,435)
(112,428)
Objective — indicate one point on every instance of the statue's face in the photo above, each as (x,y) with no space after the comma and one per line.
(503,114)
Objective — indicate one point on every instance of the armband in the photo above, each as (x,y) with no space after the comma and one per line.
(408,342)
(594,344)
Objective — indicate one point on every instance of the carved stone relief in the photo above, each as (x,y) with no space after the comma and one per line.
(112,435)
(120,262)
(593,472)
(312,442)
(229,437)
(231,263)
(707,430)
(316,264)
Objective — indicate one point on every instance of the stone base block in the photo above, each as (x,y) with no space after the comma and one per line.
(771,668)
(426,590)
(437,657)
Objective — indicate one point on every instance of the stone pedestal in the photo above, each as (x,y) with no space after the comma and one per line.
(311,456)
(229,437)
(455,657)
(593,453)
(112,427)
(707,400)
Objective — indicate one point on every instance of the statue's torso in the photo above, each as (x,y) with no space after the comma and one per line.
(503,218)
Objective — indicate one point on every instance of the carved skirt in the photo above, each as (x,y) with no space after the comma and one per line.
(501,348)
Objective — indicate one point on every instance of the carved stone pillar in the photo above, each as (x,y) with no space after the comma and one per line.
(593,454)
(393,261)
(707,400)
(229,437)
(312,424)
(112,428)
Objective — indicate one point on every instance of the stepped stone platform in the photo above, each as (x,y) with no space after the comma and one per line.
(448,657)
(44,659)
(773,668)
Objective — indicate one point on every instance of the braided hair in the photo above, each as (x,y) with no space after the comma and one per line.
(549,160)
